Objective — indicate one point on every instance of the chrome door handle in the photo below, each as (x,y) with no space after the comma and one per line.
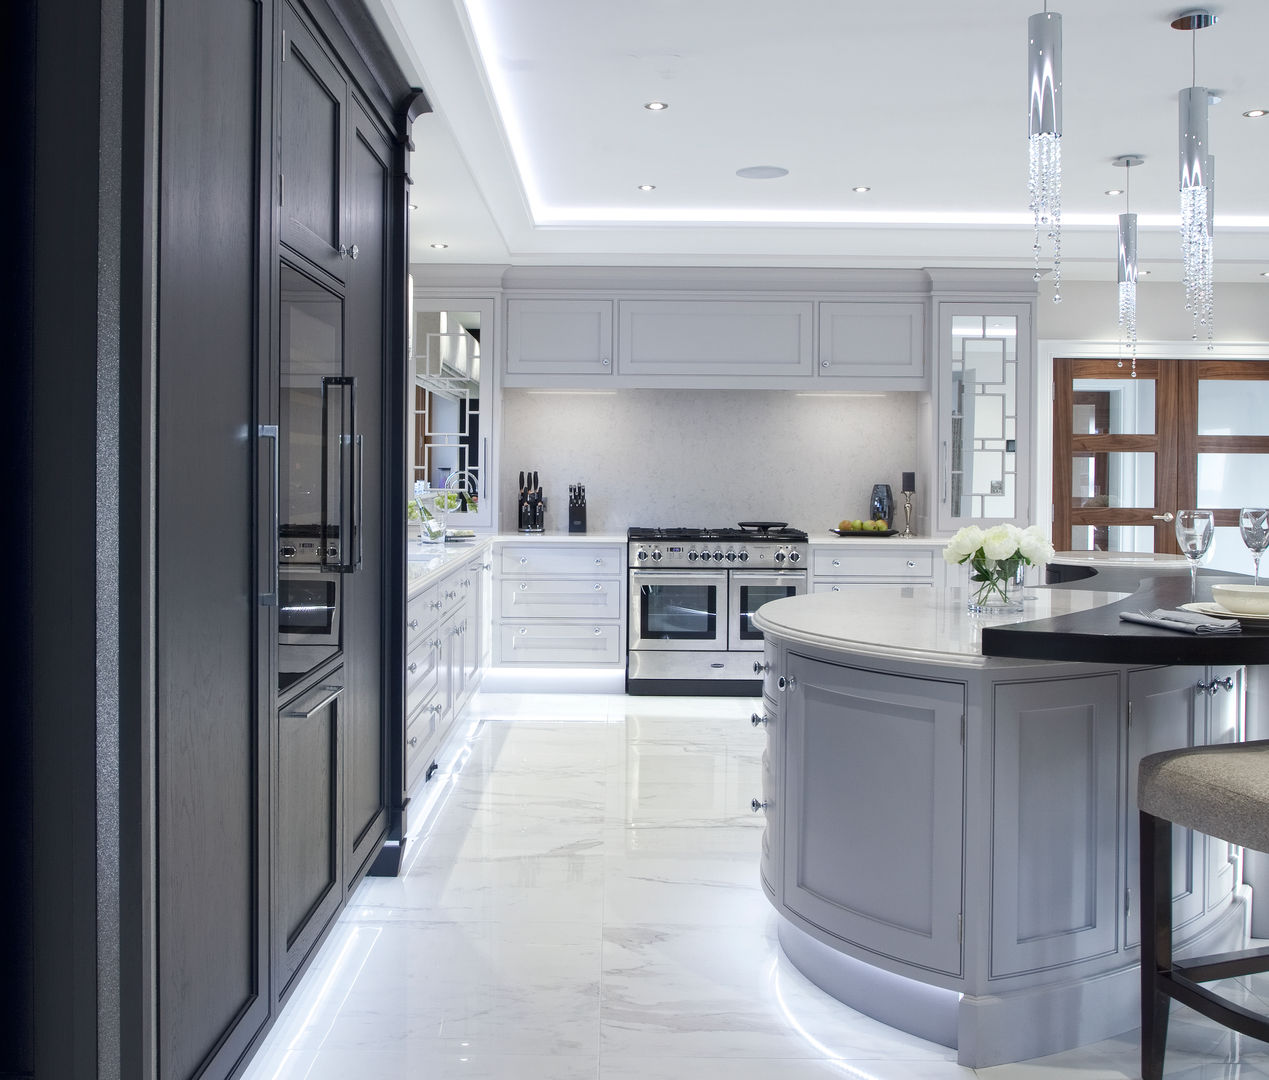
(304,714)
(359,527)
(270,432)
(1165,518)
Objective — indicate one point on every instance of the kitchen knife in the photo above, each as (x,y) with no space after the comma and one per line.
(534,483)
(521,481)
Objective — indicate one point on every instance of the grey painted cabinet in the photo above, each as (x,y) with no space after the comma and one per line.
(567,338)
(877,861)
(1054,822)
(884,341)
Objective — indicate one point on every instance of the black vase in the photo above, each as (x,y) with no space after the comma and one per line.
(881,505)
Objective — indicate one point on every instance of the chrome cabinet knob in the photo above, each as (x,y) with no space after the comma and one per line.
(436,708)
(837,562)
(786,684)
(354,251)
(413,668)
(599,562)
(836,588)
(524,560)
(598,630)
(605,361)
(413,624)
(598,587)
(758,806)
(911,564)
(760,667)
(758,719)
(524,586)
(414,740)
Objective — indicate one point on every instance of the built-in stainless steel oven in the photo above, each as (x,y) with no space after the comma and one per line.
(693,595)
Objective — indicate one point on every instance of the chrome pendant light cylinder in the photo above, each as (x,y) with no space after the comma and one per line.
(1044,73)
(1193,136)
(1128,249)
(1044,137)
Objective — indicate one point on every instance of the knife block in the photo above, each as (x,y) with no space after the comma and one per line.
(531,515)
(577,517)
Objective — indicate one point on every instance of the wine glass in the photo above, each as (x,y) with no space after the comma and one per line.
(1194,534)
(1253,523)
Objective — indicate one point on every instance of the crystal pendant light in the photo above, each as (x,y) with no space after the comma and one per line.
(1044,134)
(1128,262)
(1196,204)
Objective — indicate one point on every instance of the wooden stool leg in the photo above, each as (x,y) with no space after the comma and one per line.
(1156,941)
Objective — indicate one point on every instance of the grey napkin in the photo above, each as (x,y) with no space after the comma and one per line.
(1188,622)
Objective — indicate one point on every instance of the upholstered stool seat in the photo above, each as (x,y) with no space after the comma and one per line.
(1222,791)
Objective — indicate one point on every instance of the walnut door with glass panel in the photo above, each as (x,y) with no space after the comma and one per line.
(1129,452)
(1115,456)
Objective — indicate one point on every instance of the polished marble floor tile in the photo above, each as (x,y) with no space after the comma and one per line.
(580,901)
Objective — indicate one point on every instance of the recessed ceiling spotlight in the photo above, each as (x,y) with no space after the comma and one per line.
(1253,114)
(1114,191)
(762,172)
(440,246)
(647,187)
(861,189)
(656,106)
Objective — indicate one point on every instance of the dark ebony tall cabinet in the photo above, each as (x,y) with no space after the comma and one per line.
(186,827)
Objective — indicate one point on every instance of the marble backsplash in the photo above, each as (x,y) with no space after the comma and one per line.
(706,457)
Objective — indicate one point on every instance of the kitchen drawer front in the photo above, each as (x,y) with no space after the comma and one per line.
(823,585)
(896,565)
(422,663)
(452,592)
(420,615)
(560,643)
(596,561)
(420,742)
(560,598)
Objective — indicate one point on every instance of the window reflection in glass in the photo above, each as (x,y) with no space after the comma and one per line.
(447,414)
(1113,407)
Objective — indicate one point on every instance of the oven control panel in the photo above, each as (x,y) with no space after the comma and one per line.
(725,556)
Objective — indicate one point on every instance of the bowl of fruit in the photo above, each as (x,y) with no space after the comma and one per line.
(859,527)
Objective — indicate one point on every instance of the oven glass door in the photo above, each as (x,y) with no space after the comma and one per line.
(309,621)
(673,610)
(750,589)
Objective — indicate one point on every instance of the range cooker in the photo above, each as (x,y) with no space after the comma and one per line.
(693,594)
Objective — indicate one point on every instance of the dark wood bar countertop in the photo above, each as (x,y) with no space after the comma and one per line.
(1099,636)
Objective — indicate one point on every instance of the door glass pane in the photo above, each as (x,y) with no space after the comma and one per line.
(678,612)
(1113,407)
(1112,538)
(1229,553)
(1115,479)
(1233,407)
(1232,480)
(984,416)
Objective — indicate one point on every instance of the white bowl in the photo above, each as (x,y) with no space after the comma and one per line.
(1243,599)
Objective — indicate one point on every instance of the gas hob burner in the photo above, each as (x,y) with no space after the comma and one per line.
(772,532)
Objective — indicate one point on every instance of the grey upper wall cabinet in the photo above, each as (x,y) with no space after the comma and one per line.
(558,338)
(864,340)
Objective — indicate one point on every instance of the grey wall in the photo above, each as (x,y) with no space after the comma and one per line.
(1089,312)
(706,457)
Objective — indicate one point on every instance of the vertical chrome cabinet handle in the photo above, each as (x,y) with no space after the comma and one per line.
(484,468)
(943,470)
(329,692)
(359,530)
(270,432)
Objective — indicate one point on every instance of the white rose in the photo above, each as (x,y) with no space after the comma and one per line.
(1000,542)
(1035,547)
(963,544)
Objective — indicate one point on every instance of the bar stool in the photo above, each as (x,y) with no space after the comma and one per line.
(1222,791)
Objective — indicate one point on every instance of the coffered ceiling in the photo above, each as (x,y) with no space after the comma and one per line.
(540,140)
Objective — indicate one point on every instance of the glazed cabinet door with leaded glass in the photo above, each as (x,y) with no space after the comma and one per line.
(451,421)
(984,424)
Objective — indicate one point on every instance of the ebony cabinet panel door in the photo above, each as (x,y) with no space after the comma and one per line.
(211,949)
(365,773)
(311,148)
(307,867)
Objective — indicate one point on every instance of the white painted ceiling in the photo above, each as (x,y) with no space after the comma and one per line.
(539,139)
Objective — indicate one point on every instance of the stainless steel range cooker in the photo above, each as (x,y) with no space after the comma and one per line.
(693,594)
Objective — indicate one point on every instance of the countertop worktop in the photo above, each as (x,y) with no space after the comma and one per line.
(1145,560)
(425,564)
(825,537)
(900,622)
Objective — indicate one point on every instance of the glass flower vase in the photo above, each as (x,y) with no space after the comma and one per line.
(999,594)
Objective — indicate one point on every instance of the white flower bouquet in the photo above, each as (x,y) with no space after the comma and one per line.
(995,556)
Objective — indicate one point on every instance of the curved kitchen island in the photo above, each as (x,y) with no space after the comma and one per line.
(950,836)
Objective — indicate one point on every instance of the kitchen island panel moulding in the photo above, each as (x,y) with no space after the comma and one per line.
(697,458)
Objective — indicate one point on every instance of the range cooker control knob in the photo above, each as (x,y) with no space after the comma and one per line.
(795,556)
(779,556)
(642,555)
(731,556)
(656,555)
(287,552)
(718,556)
(743,556)
(692,556)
